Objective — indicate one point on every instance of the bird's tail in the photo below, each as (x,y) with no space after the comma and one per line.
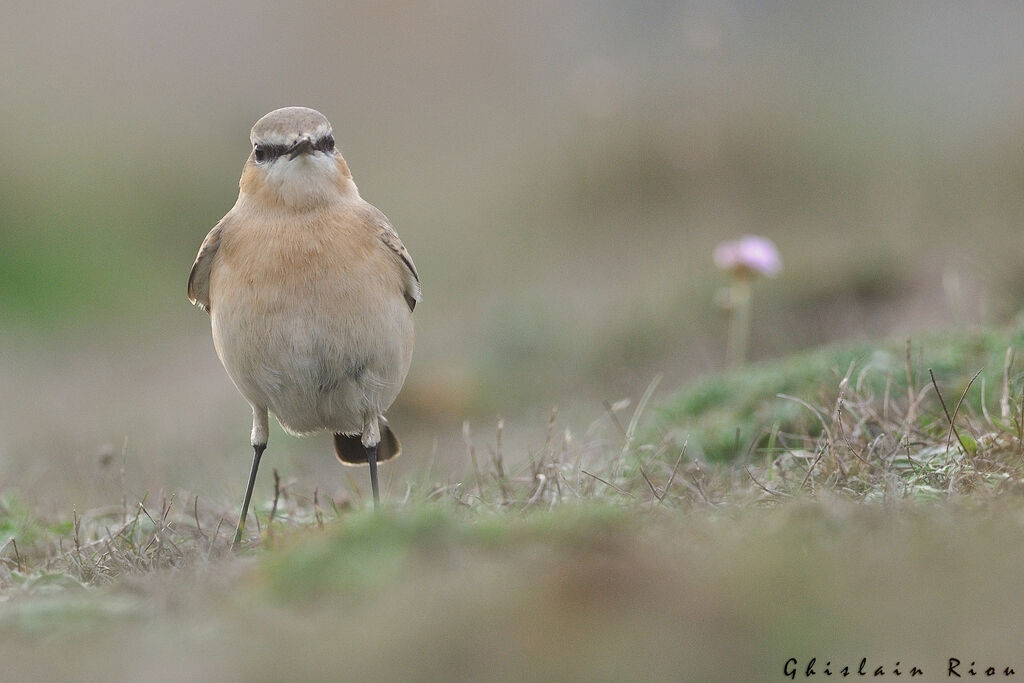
(350,450)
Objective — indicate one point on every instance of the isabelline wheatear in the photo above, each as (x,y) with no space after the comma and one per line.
(310,294)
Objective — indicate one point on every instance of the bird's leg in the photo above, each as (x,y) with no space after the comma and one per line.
(260,434)
(371,458)
(257,453)
(370,439)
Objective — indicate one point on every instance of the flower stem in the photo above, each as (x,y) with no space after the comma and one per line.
(739,321)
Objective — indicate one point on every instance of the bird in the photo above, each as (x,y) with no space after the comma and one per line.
(310,294)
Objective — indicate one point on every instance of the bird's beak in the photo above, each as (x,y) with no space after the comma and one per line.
(303,146)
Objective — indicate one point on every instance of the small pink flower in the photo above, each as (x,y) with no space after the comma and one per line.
(750,254)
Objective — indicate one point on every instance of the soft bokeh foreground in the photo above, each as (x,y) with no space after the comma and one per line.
(581,594)
(881,520)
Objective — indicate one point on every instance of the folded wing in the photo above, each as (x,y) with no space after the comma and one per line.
(389,237)
(199,278)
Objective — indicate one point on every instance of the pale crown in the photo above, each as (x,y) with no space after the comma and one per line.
(287,125)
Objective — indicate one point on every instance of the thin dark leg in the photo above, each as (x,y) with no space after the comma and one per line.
(371,457)
(257,453)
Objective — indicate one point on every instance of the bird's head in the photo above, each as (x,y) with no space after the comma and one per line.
(294,162)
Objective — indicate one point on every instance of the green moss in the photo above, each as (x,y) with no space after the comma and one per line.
(366,550)
(709,412)
(369,550)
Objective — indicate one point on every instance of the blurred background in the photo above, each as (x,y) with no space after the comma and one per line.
(561,173)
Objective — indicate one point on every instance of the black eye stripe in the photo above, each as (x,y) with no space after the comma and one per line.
(268,152)
(264,152)
(325,144)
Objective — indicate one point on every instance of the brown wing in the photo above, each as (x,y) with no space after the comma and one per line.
(389,237)
(199,278)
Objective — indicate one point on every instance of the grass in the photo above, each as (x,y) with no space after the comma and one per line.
(582,592)
(745,405)
(859,524)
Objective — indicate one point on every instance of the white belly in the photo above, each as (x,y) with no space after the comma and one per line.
(313,368)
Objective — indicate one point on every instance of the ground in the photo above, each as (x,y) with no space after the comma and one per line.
(818,508)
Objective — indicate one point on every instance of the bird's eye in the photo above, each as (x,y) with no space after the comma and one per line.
(259,153)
